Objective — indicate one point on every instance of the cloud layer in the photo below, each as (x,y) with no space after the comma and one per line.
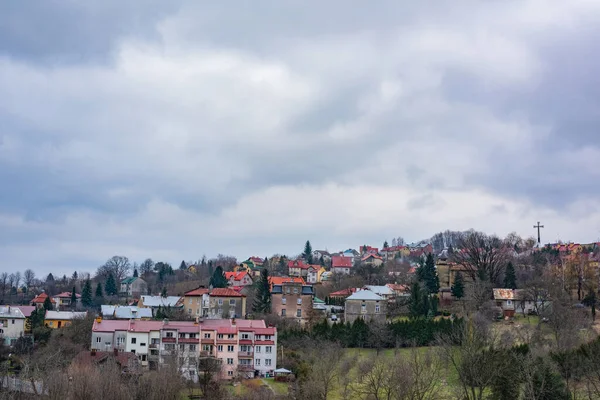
(175,131)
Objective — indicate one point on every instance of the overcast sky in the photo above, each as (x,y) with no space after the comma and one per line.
(175,129)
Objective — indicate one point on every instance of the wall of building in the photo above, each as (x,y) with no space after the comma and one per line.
(353,310)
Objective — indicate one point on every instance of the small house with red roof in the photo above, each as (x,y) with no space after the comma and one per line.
(298,268)
(342,294)
(280,280)
(341,264)
(63,301)
(372,259)
(38,301)
(241,278)
(214,303)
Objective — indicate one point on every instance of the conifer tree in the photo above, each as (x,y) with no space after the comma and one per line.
(458,287)
(429,276)
(217,279)
(86,294)
(262,301)
(135,273)
(307,254)
(110,288)
(47,304)
(183,265)
(164,292)
(510,277)
(385,244)
(73,297)
(99,293)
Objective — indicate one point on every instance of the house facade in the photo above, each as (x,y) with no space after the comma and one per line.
(366,305)
(133,287)
(63,301)
(214,303)
(341,264)
(38,301)
(324,254)
(12,324)
(60,319)
(241,278)
(513,301)
(243,348)
(298,268)
(156,302)
(292,300)
(372,259)
(125,312)
(314,273)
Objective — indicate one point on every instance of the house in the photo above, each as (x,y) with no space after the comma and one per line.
(341,264)
(242,348)
(125,312)
(238,278)
(372,259)
(60,319)
(298,268)
(127,362)
(392,252)
(154,302)
(324,254)
(384,291)
(513,301)
(292,300)
(38,301)
(368,250)
(314,274)
(350,253)
(278,280)
(258,262)
(133,287)
(399,290)
(366,305)
(326,276)
(214,303)
(62,301)
(342,294)
(12,324)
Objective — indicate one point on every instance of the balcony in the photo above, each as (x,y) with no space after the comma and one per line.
(246,367)
(153,345)
(204,353)
(246,354)
(169,339)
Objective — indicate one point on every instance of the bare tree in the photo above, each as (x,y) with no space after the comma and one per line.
(28,278)
(483,256)
(376,379)
(119,266)
(17,279)
(3,282)
(324,359)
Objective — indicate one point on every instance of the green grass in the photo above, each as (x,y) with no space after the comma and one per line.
(280,388)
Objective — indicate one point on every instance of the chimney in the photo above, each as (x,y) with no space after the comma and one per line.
(166,321)
(93,352)
(99,319)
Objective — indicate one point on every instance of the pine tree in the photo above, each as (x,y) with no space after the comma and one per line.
(262,301)
(218,279)
(86,294)
(99,293)
(428,275)
(164,292)
(385,244)
(183,265)
(135,273)
(50,277)
(73,297)
(74,276)
(510,277)
(458,287)
(266,263)
(110,288)
(47,304)
(308,257)
(418,305)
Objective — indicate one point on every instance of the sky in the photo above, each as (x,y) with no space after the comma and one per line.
(176,129)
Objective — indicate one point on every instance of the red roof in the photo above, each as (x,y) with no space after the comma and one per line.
(367,256)
(343,292)
(67,295)
(341,262)
(197,292)
(278,280)
(225,292)
(237,276)
(297,264)
(256,260)
(397,288)
(87,358)
(39,299)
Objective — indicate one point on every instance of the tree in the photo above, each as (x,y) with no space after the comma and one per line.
(73,297)
(307,254)
(17,279)
(418,305)
(86,294)
(484,257)
(146,266)
(164,292)
(28,277)
(385,245)
(119,266)
(183,265)
(262,302)
(50,277)
(3,281)
(74,276)
(510,278)
(110,288)
(458,287)
(218,279)
(135,273)
(99,293)
(428,275)
(591,301)
(47,304)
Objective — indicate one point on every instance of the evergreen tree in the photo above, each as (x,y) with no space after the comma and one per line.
(74,276)
(135,273)
(385,244)
(429,275)
(450,250)
(73,297)
(47,304)
(458,287)
(50,277)
(547,384)
(262,301)
(510,278)
(418,305)
(322,261)
(164,292)
(308,252)
(266,263)
(99,293)
(86,294)
(218,279)
(591,301)
(183,265)
(110,287)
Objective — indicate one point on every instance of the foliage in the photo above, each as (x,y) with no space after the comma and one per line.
(86,294)
(307,254)
(183,265)
(262,302)
(73,297)
(458,287)
(428,275)
(510,277)
(99,292)
(48,304)
(218,279)
(110,288)
(135,273)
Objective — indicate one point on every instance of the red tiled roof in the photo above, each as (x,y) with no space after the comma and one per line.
(26,310)
(343,292)
(196,292)
(225,292)
(256,260)
(278,280)
(341,262)
(237,276)
(367,256)
(397,288)
(297,264)
(87,358)
(39,299)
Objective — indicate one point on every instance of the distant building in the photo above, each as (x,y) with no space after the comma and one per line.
(62,301)
(242,278)
(314,274)
(366,305)
(39,300)
(60,319)
(125,312)
(324,254)
(214,303)
(384,291)
(133,287)
(372,259)
(298,268)
(13,322)
(292,300)
(156,302)
(341,264)
(278,280)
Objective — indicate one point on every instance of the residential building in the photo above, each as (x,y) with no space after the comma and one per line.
(127,362)
(60,319)
(384,291)
(125,312)
(133,287)
(279,280)
(342,294)
(314,273)
(214,303)
(12,324)
(350,253)
(341,264)
(366,305)
(298,268)
(38,301)
(292,300)
(241,278)
(399,290)
(62,301)
(324,254)
(513,301)
(368,250)
(244,348)
(154,302)
(372,259)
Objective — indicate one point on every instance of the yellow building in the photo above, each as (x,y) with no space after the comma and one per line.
(60,319)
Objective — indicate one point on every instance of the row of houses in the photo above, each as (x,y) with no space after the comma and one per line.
(242,348)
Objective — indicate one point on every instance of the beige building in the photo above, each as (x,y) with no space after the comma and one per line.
(215,303)
(366,305)
(292,300)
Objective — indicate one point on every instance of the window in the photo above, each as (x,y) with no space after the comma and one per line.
(133,351)
(133,340)
(207,336)
(377,308)
(295,290)
(267,337)
(143,357)
(363,308)
(287,290)
(189,310)
(230,336)
(169,334)
(509,302)
(268,362)
(206,347)
(192,347)
(230,361)
(181,347)
(181,335)
(190,301)
(229,373)
(143,344)
(283,300)
(220,347)
(220,302)
(220,336)
(268,349)
(283,312)
(13,321)
(257,362)
(198,300)
(299,313)
(98,340)
(192,372)
(197,311)
(192,336)
(257,349)
(299,301)
(230,349)
(169,346)
(232,302)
